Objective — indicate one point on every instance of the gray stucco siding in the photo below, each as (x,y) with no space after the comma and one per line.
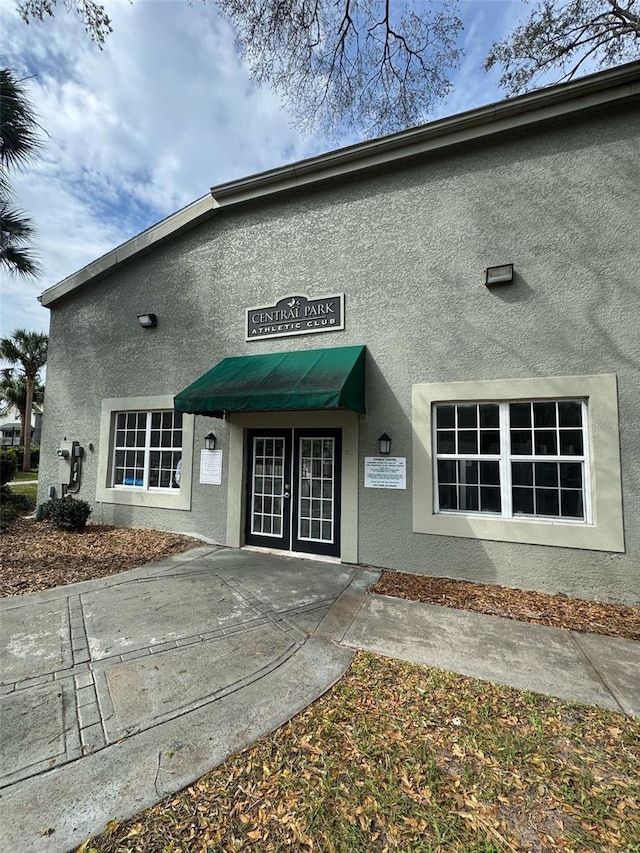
(408,247)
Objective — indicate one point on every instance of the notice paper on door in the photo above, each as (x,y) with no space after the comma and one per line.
(211,467)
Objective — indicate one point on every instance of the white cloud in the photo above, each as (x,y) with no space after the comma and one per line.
(134,131)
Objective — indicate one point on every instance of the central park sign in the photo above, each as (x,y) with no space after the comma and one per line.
(295,315)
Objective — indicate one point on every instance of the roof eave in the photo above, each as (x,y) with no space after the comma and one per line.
(183,220)
(541,106)
(544,105)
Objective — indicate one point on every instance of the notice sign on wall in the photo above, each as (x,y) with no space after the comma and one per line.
(211,467)
(385,472)
(295,315)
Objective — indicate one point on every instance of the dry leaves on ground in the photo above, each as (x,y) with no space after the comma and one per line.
(34,556)
(558,611)
(399,757)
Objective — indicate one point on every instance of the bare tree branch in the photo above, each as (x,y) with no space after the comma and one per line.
(564,35)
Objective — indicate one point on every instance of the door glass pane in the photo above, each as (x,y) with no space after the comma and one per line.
(267,503)
(317,469)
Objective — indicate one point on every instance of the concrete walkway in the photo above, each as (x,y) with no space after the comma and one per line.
(117,692)
(587,668)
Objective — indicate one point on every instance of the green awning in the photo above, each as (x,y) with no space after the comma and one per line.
(309,379)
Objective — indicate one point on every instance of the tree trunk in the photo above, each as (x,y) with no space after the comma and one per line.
(22,414)
(26,459)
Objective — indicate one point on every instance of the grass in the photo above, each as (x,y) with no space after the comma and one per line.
(20,476)
(399,757)
(29,491)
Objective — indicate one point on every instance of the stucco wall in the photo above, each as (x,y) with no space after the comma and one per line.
(408,249)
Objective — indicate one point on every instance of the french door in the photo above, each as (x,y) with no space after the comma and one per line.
(293,490)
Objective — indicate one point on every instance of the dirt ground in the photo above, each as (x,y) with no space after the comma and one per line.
(34,557)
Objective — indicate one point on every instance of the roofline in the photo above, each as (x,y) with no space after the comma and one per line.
(544,105)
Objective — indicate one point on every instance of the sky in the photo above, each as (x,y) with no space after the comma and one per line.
(148,124)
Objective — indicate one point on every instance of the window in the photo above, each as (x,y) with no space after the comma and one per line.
(533,461)
(145,453)
(521,458)
(147,450)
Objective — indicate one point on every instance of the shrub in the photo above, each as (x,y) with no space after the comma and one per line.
(18,454)
(12,505)
(9,497)
(65,513)
(8,467)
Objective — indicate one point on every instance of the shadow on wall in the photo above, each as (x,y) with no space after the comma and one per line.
(386,537)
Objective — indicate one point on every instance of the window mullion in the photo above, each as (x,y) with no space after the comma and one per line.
(147,450)
(586,465)
(434,466)
(115,448)
(505,464)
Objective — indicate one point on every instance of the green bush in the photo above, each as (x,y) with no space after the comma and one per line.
(12,505)
(18,454)
(65,513)
(9,497)
(8,466)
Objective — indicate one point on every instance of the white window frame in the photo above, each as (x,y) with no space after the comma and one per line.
(147,449)
(604,529)
(160,497)
(505,458)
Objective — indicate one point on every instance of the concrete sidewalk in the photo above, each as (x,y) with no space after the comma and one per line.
(587,668)
(120,691)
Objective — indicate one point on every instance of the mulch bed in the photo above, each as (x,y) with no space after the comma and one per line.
(558,611)
(34,556)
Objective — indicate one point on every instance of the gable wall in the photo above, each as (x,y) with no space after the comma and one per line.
(408,249)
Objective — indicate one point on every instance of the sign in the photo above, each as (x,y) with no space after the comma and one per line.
(385,472)
(211,467)
(295,315)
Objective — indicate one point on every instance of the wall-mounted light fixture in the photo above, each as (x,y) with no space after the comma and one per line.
(210,441)
(384,444)
(148,321)
(502,274)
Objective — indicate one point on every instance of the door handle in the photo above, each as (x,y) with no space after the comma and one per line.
(285,494)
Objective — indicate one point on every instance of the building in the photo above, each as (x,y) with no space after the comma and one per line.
(469,288)
(11,425)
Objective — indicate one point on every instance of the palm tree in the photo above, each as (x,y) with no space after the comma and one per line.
(13,391)
(28,351)
(18,142)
